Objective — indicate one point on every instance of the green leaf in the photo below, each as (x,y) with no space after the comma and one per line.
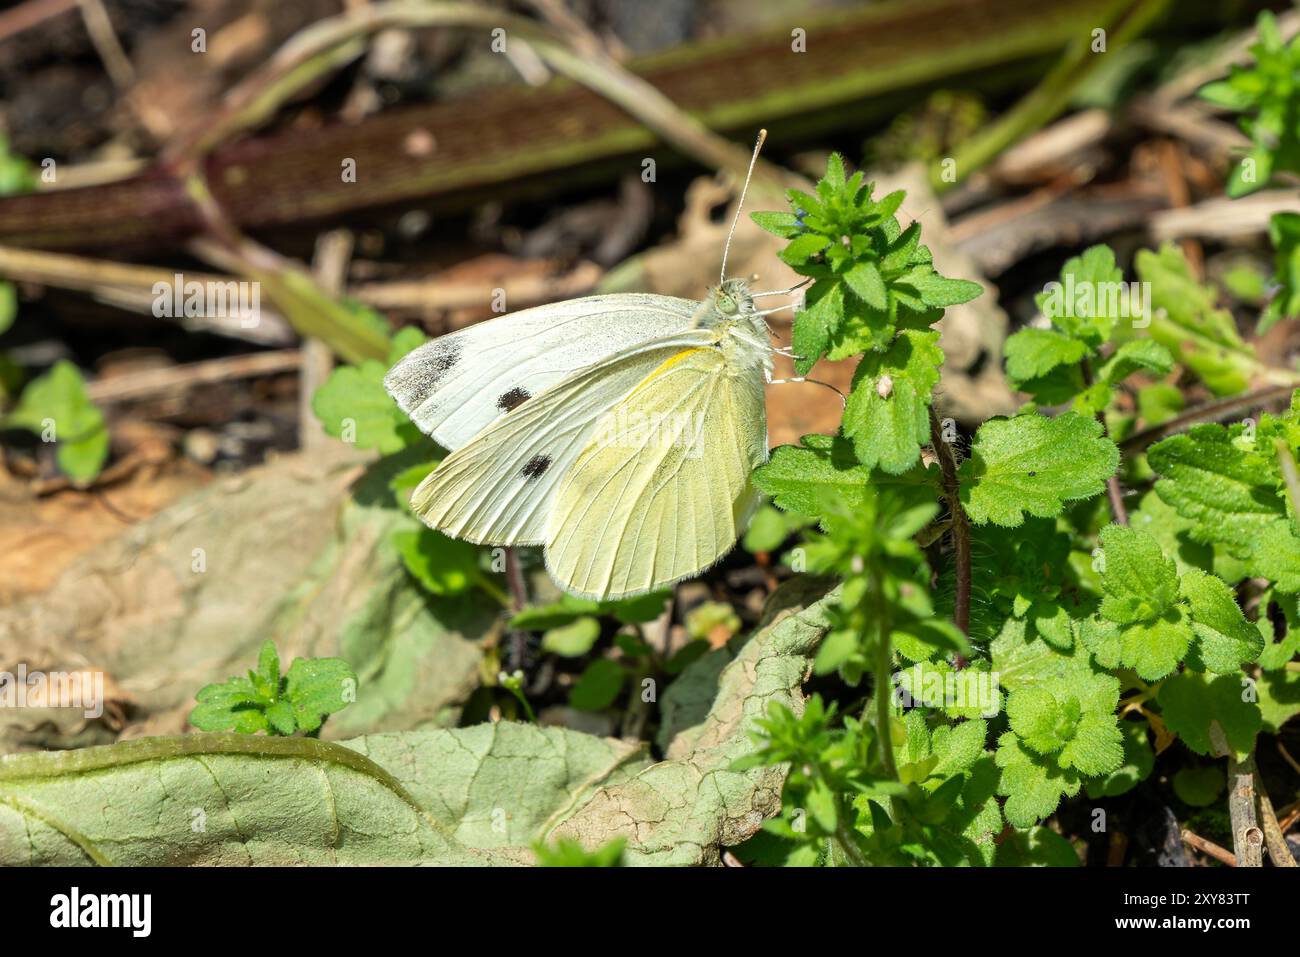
(1144,355)
(1212,717)
(8,306)
(1086,303)
(939,292)
(1139,582)
(815,324)
(888,410)
(1199,787)
(1033,784)
(1036,847)
(56,407)
(801,478)
(569,853)
(317,687)
(574,639)
(1138,762)
(785,225)
(1159,402)
(1153,648)
(444,566)
(598,686)
(1033,353)
(1223,484)
(1031,465)
(313,689)
(1186,321)
(566,610)
(865,281)
(1225,639)
(352,405)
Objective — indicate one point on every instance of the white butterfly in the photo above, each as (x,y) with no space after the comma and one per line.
(617,431)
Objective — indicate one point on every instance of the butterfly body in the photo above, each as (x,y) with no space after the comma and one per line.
(619,432)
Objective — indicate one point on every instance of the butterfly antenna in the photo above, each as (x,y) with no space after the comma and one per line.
(758,145)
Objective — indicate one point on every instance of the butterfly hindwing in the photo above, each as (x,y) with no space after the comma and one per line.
(456,385)
(662,489)
(499,488)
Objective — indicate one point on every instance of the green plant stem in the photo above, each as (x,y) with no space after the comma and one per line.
(1290,475)
(960,529)
(849,846)
(1113,491)
(883,675)
(1051,97)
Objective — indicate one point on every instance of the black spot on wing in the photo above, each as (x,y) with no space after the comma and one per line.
(536,466)
(513,399)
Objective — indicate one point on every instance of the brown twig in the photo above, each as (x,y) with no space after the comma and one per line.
(1247,838)
(1278,851)
(1220,854)
(1209,412)
(1289,759)
(960,527)
(1113,491)
(147,383)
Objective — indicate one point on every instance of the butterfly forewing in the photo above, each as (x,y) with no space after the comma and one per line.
(455,386)
(661,491)
(499,488)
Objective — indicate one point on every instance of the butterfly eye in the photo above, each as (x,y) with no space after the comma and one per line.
(726,305)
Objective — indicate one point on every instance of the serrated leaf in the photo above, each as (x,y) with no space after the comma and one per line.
(1032,784)
(801,478)
(1081,304)
(865,281)
(1225,487)
(939,292)
(354,406)
(785,225)
(1138,580)
(1033,353)
(317,687)
(1146,355)
(1225,639)
(1210,716)
(815,324)
(1153,648)
(803,248)
(1138,762)
(887,415)
(1032,465)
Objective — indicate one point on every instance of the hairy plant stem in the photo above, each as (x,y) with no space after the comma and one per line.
(1113,491)
(850,848)
(883,674)
(960,528)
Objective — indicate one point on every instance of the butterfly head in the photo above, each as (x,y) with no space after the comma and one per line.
(729,300)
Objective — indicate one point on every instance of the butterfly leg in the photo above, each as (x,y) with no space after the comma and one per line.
(843,399)
(782,292)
